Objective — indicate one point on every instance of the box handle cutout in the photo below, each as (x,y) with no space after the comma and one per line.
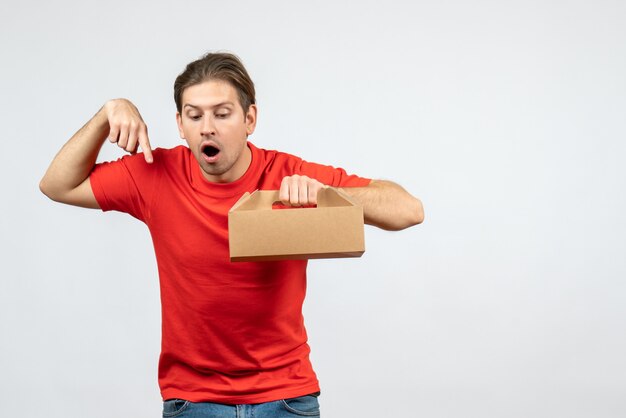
(278,205)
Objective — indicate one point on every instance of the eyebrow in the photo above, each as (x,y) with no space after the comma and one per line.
(214,106)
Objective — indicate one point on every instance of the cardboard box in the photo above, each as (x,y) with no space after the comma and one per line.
(257,232)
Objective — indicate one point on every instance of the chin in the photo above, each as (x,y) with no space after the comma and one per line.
(214,170)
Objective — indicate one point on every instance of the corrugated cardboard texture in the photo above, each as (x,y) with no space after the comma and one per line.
(259,233)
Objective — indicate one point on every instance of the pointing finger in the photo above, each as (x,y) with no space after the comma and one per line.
(144,142)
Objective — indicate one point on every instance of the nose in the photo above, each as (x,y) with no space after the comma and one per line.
(208,127)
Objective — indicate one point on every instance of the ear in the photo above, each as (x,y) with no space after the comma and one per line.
(179,122)
(251,119)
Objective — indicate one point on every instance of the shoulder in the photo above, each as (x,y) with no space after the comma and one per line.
(269,157)
(136,164)
(169,154)
(162,157)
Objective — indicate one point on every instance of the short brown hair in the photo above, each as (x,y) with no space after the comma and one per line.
(216,66)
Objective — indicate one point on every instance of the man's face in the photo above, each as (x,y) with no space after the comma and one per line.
(216,129)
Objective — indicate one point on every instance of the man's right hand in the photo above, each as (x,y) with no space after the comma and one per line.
(127,128)
(67,178)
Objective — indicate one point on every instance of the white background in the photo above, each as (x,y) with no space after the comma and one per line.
(506,118)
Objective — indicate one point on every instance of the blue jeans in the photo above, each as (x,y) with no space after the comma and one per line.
(303,406)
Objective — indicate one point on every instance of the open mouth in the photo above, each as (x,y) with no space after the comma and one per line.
(210,150)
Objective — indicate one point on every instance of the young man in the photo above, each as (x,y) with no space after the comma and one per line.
(233,335)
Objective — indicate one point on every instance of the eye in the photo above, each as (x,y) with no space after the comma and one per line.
(194,117)
(222,115)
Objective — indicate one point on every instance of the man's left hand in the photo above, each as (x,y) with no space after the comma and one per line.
(299,190)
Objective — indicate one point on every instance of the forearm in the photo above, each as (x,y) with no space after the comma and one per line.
(75,161)
(387,205)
